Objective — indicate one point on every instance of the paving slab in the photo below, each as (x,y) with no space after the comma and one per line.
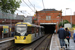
(6,39)
(55,45)
(72,45)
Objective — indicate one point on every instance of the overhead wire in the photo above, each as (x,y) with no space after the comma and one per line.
(22,12)
(32,5)
(28,5)
(43,6)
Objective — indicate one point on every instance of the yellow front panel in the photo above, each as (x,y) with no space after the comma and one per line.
(20,39)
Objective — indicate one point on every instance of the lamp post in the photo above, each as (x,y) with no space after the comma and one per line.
(70,16)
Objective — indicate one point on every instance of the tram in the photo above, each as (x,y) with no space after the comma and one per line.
(26,33)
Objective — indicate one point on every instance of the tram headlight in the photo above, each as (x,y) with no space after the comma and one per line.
(24,38)
(15,37)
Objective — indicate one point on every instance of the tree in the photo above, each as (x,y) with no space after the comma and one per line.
(64,22)
(9,6)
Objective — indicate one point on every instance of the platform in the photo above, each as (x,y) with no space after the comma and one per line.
(6,39)
(72,45)
(55,44)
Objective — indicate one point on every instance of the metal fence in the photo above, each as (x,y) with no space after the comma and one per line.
(4,15)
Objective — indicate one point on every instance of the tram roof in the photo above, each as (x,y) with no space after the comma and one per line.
(29,24)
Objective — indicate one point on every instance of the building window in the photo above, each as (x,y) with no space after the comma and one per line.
(48,17)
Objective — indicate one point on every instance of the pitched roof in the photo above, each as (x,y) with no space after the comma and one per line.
(29,16)
(49,10)
(20,17)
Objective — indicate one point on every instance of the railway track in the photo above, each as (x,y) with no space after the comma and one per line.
(16,47)
(45,44)
(41,44)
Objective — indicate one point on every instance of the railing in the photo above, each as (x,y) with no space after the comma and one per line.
(4,15)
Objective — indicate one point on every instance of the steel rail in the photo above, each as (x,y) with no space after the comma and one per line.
(44,45)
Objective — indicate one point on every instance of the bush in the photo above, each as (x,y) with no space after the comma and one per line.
(73,25)
(64,22)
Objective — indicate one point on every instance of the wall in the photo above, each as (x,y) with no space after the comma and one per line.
(8,21)
(41,16)
(69,18)
(6,44)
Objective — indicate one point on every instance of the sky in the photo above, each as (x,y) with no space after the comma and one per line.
(48,4)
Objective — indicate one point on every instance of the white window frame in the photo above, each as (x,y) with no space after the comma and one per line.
(48,17)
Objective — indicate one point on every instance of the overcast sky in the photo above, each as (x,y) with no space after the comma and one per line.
(48,4)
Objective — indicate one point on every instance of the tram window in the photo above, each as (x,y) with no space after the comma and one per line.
(42,30)
(29,30)
(33,30)
(37,30)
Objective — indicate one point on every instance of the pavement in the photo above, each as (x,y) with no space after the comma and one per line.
(55,44)
(72,45)
(6,39)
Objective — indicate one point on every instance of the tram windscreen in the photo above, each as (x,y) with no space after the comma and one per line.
(22,29)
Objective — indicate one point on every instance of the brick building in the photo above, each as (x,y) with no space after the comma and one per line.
(68,17)
(8,21)
(51,17)
(48,18)
(7,18)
